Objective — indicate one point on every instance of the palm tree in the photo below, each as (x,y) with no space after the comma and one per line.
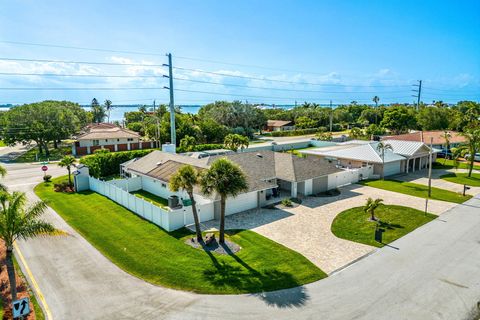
(446,135)
(371,206)
(187,178)
(68,162)
(376,99)
(225,179)
(3,173)
(381,147)
(472,146)
(19,222)
(108,107)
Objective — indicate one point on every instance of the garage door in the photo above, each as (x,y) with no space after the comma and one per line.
(242,202)
(392,168)
(320,184)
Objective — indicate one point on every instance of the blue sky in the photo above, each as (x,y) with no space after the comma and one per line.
(315,50)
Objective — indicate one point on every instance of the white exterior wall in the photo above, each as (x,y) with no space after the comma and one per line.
(346,177)
(392,168)
(242,202)
(104,142)
(308,187)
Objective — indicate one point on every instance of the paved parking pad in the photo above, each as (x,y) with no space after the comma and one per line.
(306,228)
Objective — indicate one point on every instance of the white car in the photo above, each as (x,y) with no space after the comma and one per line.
(476,157)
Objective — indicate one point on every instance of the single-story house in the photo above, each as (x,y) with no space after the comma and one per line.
(405,156)
(269,174)
(426,137)
(108,136)
(279,125)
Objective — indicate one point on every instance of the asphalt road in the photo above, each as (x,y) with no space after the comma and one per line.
(432,273)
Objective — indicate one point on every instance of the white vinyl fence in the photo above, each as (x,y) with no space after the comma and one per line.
(349,176)
(168,219)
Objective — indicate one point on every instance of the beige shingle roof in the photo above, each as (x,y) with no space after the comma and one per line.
(259,167)
(278,123)
(106,131)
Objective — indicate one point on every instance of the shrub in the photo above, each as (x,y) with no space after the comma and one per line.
(106,164)
(287,202)
(47,177)
(62,187)
(291,133)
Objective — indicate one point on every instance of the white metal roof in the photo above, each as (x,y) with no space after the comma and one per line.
(407,148)
(363,152)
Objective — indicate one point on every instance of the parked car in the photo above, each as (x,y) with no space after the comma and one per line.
(444,154)
(476,157)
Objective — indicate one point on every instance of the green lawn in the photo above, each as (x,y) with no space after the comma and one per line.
(38,310)
(148,252)
(55,154)
(2,144)
(439,164)
(156,200)
(463,178)
(417,190)
(395,222)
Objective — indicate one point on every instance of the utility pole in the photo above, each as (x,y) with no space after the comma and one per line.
(173,137)
(331,116)
(418,91)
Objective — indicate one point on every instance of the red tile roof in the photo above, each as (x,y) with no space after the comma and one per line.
(425,136)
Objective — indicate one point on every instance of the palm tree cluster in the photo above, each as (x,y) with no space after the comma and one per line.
(223,178)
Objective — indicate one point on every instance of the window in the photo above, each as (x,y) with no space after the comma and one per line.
(130,139)
(164,185)
(106,140)
(96,142)
(118,140)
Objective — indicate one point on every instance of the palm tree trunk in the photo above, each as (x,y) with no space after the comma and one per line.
(372,215)
(195,217)
(11,274)
(222,220)
(69,177)
(470,167)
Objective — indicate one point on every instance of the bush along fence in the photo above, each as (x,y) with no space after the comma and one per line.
(167,218)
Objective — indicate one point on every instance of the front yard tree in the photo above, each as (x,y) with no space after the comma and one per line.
(471,147)
(19,222)
(371,206)
(382,147)
(376,99)
(43,122)
(68,162)
(186,178)
(235,141)
(225,179)
(187,143)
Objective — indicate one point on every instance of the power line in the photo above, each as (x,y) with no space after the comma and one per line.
(194,70)
(182,79)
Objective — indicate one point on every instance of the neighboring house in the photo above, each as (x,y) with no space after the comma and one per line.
(269,175)
(108,136)
(406,156)
(427,136)
(279,125)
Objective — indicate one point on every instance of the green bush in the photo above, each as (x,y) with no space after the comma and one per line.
(107,164)
(202,147)
(47,178)
(291,133)
(287,202)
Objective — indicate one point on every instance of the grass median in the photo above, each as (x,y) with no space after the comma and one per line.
(417,190)
(393,221)
(150,253)
(463,178)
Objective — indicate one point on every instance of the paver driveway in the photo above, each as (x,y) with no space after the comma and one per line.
(306,228)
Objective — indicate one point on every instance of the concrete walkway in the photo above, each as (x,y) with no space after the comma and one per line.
(421,177)
(306,228)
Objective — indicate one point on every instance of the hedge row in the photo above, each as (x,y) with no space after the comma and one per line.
(289,133)
(106,164)
(202,147)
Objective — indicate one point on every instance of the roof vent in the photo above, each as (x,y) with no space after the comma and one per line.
(259,155)
(159,163)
